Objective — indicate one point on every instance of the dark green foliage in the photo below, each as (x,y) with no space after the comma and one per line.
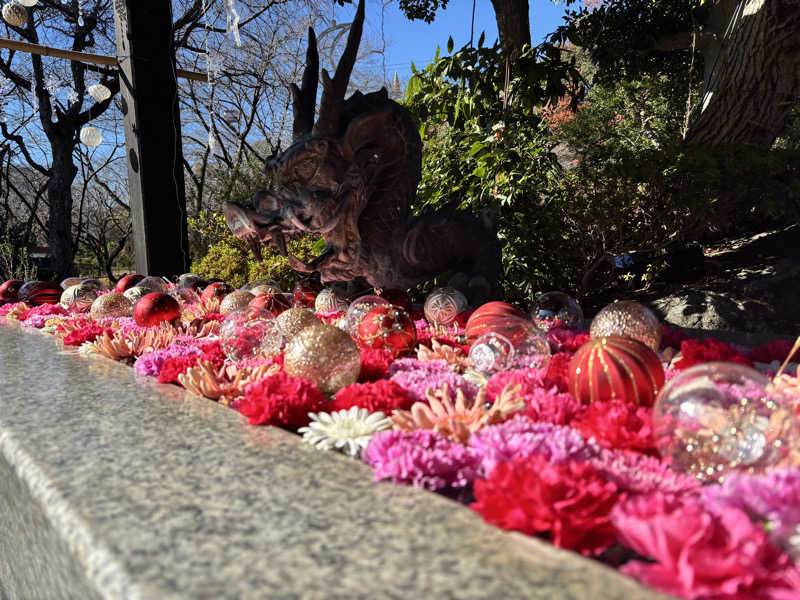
(422,9)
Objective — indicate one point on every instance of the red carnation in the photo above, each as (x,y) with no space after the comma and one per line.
(212,352)
(174,366)
(87,333)
(672,338)
(570,500)
(280,400)
(374,364)
(565,339)
(775,350)
(558,370)
(384,395)
(618,424)
(695,352)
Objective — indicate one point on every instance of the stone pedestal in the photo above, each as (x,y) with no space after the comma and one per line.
(116,487)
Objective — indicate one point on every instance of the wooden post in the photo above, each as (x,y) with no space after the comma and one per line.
(149,91)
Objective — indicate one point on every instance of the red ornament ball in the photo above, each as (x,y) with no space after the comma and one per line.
(9,290)
(127,282)
(389,328)
(615,367)
(40,292)
(155,308)
(305,293)
(485,316)
(397,297)
(217,289)
(274,302)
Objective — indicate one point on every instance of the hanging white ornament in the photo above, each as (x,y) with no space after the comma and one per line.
(233,20)
(212,142)
(28,3)
(91,136)
(15,14)
(99,92)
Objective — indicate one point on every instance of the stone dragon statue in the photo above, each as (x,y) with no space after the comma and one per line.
(351,177)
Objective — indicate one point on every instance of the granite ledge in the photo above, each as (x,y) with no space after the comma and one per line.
(156,493)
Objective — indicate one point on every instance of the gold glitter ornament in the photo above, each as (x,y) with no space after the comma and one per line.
(324,355)
(111,305)
(715,418)
(235,301)
(293,320)
(135,293)
(628,319)
(78,298)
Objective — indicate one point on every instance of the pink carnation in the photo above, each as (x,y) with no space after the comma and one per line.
(702,555)
(640,474)
(418,376)
(422,458)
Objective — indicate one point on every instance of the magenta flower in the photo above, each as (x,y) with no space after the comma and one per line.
(151,363)
(418,376)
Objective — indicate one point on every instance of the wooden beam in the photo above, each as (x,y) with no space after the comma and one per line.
(85,57)
(151,115)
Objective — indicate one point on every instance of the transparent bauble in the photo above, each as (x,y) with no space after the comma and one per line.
(268,285)
(78,298)
(356,311)
(511,343)
(135,293)
(443,305)
(95,284)
(249,333)
(184,295)
(154,284)
(719,417)
(189,280)
(70,281)
(331,300)
(556,309)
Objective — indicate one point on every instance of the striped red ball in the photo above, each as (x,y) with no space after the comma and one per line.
(615,367)
(481,320)
(40,292)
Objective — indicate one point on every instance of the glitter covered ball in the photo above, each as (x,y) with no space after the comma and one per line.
(247,333)
(556,309)
(274,302)
(78,298)
(324,355)
(512,343)
(443,305)
(294,320)
(615,367)
(9,290)
(481,321)
(111,305)
(155,308)
(135,293)
(331,300)
(305,293)
(153,284)
(127,282)
(389,328)
(719,417)
(356,311)
(235,301)
(40,292)
(628,319)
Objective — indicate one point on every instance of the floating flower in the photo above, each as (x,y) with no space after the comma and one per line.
(519,437)
(422,458)
(452,355)
(152,362)
(699,554)
(457,419)
(347,431)
(224,384)
(123,346)
(280,400)
(571,501)
(380,396)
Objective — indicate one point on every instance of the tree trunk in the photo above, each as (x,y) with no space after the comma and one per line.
(59,194)
(513,25)
(756,79)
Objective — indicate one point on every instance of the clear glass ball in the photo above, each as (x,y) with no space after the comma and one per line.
(248,333)
(269,285)
(95,284)
(184,295)
(78,298)
(331,300)
(511,343)
(719,417)
(154,284)
(357,310)
(443,305)
(556,309)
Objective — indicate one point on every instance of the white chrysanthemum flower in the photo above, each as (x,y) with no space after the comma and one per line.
(87,348)
(347,431)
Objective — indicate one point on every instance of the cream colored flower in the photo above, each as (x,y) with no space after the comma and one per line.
(347,431)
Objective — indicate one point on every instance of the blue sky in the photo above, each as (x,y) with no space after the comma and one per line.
(416,41)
